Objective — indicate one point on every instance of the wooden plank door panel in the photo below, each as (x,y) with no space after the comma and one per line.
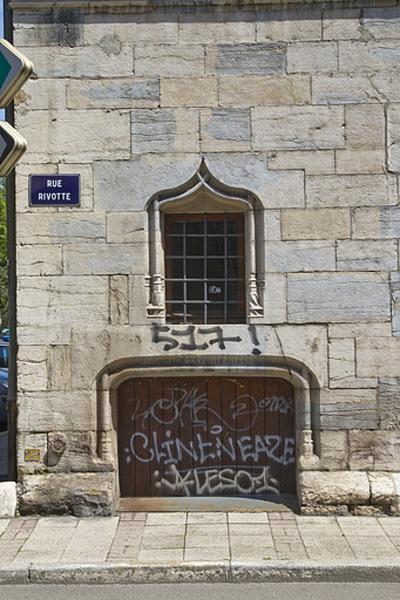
(215,436)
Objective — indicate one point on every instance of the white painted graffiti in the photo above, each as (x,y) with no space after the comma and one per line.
(173,450)
(214,481)
(184,404)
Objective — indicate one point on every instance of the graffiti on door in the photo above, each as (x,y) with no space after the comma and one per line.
(208,437)
(216,481)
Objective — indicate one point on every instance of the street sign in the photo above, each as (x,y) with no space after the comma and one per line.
(54,190)
(12,147)
(15,69)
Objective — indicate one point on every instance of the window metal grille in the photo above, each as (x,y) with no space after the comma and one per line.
(205,268)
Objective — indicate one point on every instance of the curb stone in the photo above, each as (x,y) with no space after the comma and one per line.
(237,572)
(321,571)
(123,573)
(14,575)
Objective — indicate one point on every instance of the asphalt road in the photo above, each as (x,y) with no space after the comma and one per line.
(255,591)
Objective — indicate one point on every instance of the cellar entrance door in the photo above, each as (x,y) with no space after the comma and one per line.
(206,437)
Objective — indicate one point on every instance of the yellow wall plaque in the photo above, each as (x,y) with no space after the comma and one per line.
(32,455)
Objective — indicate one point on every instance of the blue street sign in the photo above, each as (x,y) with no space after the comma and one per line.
(54,190)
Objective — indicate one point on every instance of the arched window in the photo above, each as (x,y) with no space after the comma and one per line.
(206,253)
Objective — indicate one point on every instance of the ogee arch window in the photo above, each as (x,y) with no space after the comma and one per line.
(206,253)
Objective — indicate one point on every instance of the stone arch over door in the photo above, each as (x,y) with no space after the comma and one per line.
(302,381)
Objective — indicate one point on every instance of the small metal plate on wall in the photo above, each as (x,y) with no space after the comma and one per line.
(32,455)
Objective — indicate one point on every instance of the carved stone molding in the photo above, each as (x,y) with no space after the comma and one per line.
(211,195)
(149,5)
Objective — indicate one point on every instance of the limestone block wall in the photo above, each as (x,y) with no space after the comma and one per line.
(299,105)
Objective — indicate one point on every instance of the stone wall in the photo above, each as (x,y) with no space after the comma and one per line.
(300,106)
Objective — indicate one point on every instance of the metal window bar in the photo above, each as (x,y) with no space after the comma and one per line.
(185,280)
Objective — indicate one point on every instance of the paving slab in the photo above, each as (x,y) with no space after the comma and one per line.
(140,547)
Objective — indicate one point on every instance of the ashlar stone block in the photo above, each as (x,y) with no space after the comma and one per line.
(389,403)
(333,450)
(79,454)
(126,227)
(60,228)
(382,23)
(350,190)
(377,450)
(298,128)
(275,298)
(365,127)
(341,23)
(39,260)
(74,135)
(276,189)
(64,300)
(165,130)
(138,300)
(367,256)
(277,26)
(40,34)
(334,488)
(383,493)
(369,56)
(189,91)
(315,224)
(80,61)
(387,84)
(393,132)
(342,366)
(312,162)
(42,94)
(360,161)
(246,59)
(105,259)
(367,222)
(119,300)
(395,295)
(272,219)
(338,297)
(225,129)
(217,30)
(133,92)
(37,441)
(288,256)
(346,89)
(348,408)
(169,61)
(57,411)
(58,367)
(312,58)
(356,330)
(264,91)
(135,29)
(378,357)
(81,494)
(32,368)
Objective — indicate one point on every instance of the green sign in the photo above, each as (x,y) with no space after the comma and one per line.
(15,69)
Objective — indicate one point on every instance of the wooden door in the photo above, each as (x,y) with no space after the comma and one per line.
(216,436)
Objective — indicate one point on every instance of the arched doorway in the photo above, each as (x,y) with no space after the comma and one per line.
(206,436)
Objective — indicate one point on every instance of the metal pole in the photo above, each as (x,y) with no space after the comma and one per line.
(11,241)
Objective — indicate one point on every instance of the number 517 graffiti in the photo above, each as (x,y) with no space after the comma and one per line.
(187,339)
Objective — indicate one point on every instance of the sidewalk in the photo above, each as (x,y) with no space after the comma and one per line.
(198,546)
